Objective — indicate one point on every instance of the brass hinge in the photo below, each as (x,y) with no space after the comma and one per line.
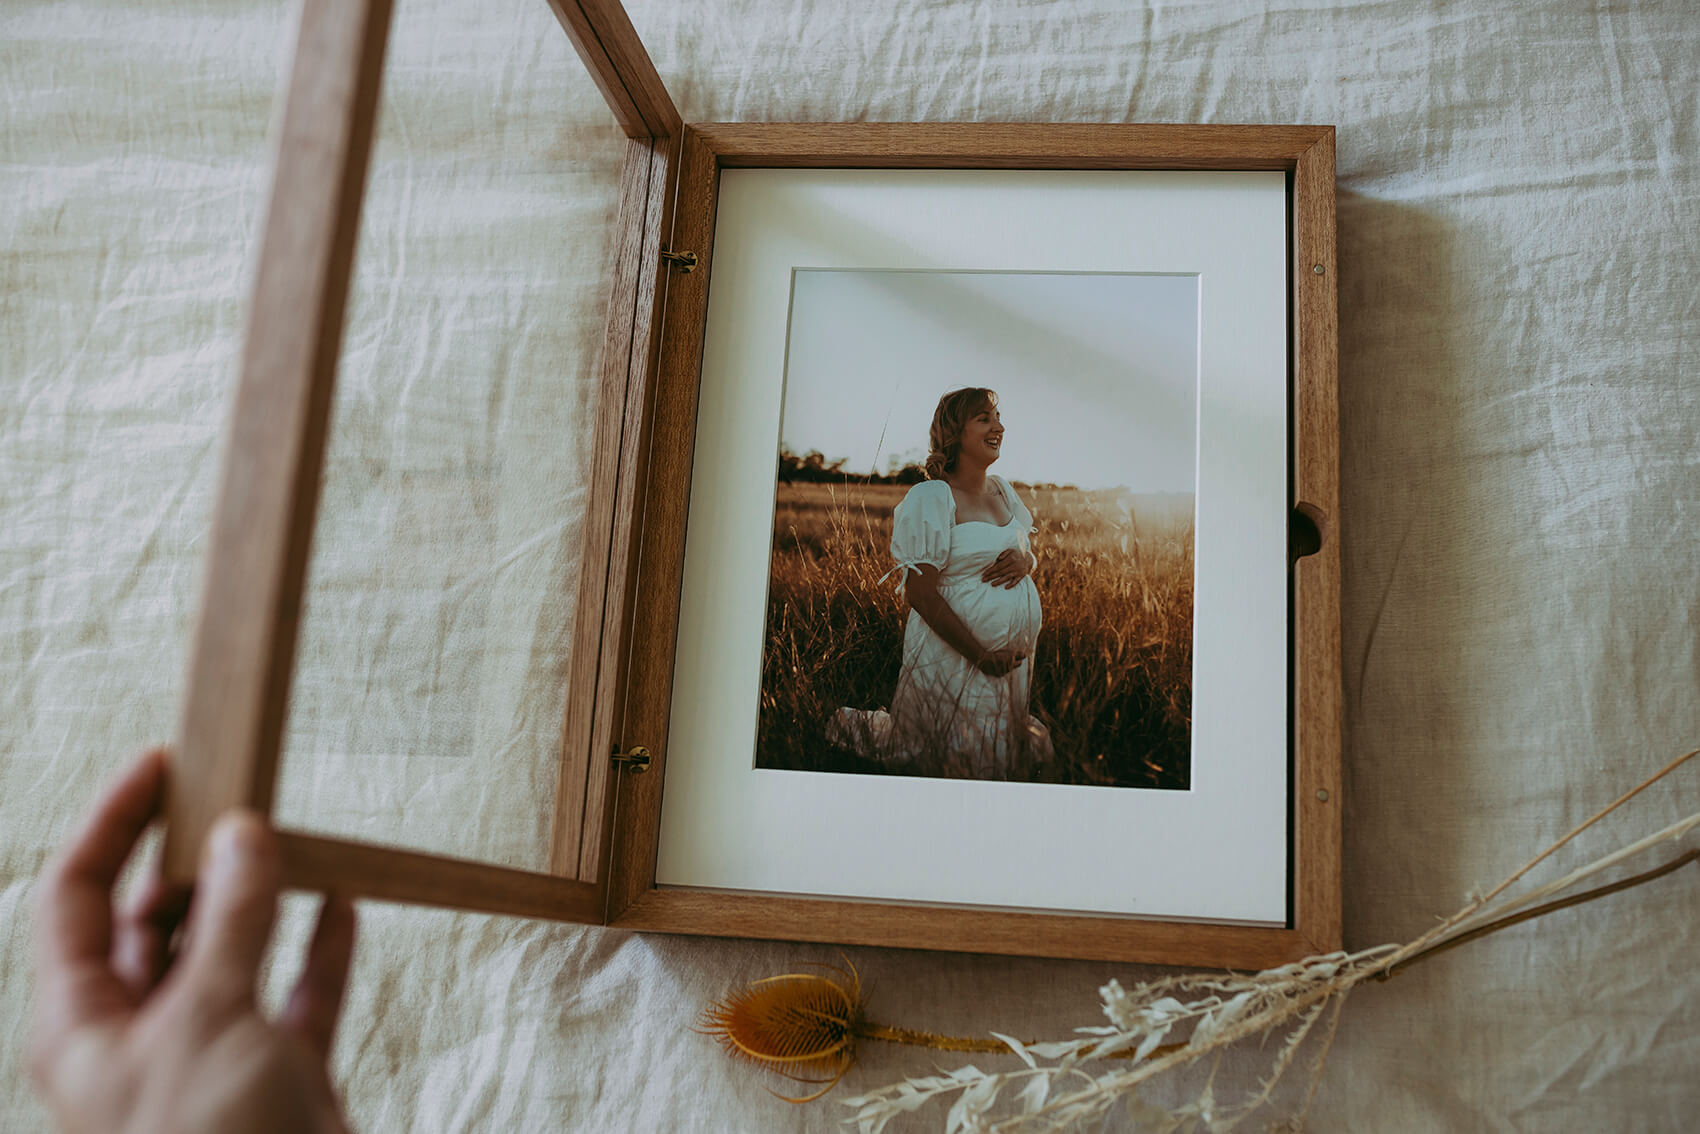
(686,262)
(636,761)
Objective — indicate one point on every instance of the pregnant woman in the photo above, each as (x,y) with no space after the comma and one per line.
(960,541)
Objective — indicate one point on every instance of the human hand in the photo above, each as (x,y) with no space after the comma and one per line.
(997,663)
(1009,568)
(131,1034)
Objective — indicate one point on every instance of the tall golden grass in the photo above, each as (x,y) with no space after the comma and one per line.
(1112,672)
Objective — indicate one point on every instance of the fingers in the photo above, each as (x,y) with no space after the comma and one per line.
(316,1003)
(76,895)
(1007,570)
(74,919)
(141,942)
(235,904)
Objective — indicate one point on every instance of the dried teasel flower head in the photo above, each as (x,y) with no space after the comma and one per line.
(803,1025)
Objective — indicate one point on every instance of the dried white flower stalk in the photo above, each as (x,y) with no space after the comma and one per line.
(1064,1084)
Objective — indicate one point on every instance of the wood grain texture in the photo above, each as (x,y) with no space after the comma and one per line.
(998,145)
(1317,699)
(962,929)
(362,870)
(635,902)
(602,634)
(636,441)
(244,647)
(664,495)
(606,42)
(580,754)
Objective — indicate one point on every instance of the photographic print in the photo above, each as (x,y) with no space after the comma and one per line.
(982,551)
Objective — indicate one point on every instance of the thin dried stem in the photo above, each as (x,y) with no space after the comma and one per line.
(1322,1058)
(1283,1061)
(932,1040)
(1675,831)
(1548,907)
(1597,816)
(1446,927)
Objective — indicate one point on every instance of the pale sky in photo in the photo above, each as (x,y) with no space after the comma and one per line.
(1096,374)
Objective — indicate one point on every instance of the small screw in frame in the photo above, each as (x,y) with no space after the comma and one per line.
(636,761)
(686,262)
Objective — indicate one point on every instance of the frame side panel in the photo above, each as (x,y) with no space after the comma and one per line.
(665,491)
(579,754)
(1317,694)
(384,873)
(964,929)
(654,280)
(238,687)
(978,145)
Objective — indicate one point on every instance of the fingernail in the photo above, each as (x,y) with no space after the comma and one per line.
(236,839)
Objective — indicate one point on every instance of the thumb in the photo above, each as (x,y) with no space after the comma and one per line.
(235,904)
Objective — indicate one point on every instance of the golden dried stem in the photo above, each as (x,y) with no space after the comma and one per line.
(932,1040)
(937,1042)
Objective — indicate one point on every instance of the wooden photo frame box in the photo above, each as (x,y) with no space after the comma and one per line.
(615,746)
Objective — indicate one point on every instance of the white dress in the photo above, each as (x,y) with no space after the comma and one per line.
(946,715)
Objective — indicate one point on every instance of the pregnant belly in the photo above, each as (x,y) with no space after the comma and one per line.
(999,617)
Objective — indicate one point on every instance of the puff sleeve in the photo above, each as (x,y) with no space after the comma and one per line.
(920,528)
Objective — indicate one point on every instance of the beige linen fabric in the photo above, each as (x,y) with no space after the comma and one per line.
(1519,219)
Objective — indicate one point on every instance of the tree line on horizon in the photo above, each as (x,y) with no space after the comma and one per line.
(813,468)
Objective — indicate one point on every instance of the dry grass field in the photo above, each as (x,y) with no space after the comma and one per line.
(1112,674)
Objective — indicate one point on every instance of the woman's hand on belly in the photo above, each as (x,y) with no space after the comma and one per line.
(997,663)
(1009,568)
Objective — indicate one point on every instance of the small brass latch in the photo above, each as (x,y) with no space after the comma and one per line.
(636,761)
(686,262)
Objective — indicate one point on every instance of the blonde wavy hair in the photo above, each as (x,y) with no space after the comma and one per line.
(945,438)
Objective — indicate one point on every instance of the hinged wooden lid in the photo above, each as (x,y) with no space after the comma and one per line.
(244,648)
